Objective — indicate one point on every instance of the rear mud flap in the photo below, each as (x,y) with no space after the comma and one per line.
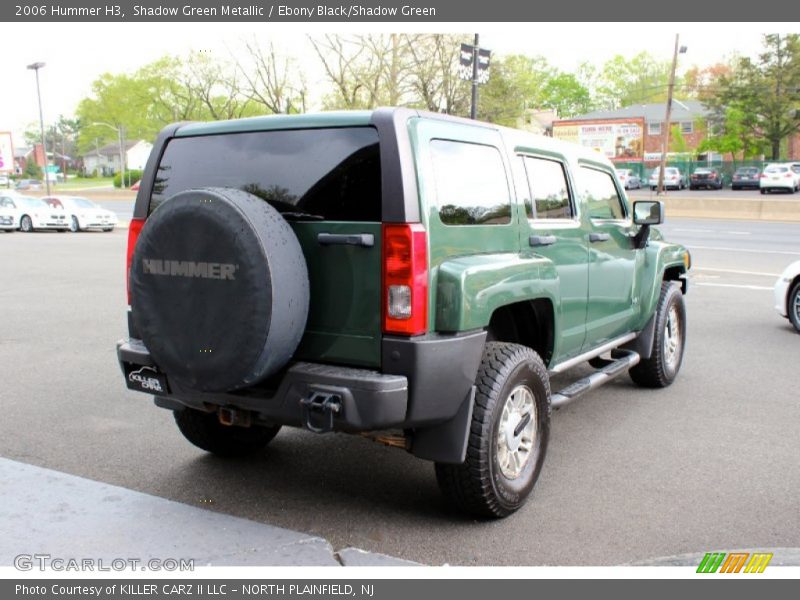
(447,442)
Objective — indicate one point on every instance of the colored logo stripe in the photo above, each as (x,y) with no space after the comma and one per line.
(735,561)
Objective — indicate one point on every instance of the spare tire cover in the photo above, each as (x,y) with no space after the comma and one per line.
(219,289)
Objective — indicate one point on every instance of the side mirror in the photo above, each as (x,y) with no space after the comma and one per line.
(648,212)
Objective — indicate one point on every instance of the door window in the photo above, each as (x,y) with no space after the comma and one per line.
(602,197)
(549,189)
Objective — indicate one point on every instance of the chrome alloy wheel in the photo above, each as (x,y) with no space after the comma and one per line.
(796,307)
(516,432)
(672,338)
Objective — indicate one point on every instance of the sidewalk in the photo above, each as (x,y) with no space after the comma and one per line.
(48,512)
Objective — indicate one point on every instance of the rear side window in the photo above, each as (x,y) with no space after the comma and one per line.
(306,174)
(549,189)
(601,194)
(471,184)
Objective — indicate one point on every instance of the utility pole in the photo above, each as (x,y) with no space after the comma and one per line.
(666,132)
(473,113)
(35,67)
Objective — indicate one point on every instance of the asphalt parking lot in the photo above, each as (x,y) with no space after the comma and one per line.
(631,474)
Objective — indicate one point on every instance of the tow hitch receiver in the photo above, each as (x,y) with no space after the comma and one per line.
(319,409)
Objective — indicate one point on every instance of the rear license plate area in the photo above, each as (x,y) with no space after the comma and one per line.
(145,379)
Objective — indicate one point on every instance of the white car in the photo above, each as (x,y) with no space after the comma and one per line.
(4,180)
(9,200)
(37,214)
(84,214)
(787,294)
(779,177)
(8,213)
(673,178)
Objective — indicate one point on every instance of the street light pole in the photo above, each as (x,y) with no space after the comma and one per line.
(121,147)
(666,132)
(35,67)
(473,113)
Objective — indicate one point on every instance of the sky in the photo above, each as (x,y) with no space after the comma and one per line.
(77,53)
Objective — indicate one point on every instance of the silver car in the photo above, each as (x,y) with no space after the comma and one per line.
(673,179)
(629,179)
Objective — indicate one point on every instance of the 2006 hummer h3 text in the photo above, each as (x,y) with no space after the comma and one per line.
(413,275)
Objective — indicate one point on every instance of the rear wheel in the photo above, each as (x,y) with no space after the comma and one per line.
(763,191)
(508,436)
(206,432)
(793,306)
(661,369)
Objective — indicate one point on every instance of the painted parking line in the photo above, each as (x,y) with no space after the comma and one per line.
(721,249)
(736,272)
(735,285)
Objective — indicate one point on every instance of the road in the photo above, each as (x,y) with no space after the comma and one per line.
(631,474)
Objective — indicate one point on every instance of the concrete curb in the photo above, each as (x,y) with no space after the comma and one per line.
(48,512)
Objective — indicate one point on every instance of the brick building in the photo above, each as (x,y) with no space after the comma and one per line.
(635,132)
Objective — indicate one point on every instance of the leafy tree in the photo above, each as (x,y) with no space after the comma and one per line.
(732,134)
(639,80)
(764,91)
(564,93)
(516,83)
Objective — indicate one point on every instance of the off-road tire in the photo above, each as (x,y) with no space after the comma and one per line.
(794,318)
(477,486)
(206,432)
(657,371)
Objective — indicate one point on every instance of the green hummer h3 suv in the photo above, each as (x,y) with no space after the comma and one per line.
(409,276)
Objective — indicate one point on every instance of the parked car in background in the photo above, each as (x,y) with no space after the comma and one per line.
(795,167)
(629,179)
(8,211)
(8,205)
(673,178)
(83,213)
(704,177)
(778,177)
(745,177)
(38,214)
(4,181)
(29,184)
(787,294)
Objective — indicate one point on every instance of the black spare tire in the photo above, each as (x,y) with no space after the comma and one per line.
(219,289)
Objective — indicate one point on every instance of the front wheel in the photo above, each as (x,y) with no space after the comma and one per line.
(74,225)
(793,306)
(26,224)
(206,432)
(508,437)
(669,340)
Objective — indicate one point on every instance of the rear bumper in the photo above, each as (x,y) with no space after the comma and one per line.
(425,383)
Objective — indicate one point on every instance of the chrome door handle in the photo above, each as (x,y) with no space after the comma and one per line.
(542,240)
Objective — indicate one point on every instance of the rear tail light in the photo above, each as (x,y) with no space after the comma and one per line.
(763,176)
(405,279)
(133,234)
(788,175)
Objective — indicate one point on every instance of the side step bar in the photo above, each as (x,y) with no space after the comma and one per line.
(623,360)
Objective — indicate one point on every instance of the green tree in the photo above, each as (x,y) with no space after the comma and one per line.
(564,93)
(516,83)
(638,80)
(765,91)
(732,134)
